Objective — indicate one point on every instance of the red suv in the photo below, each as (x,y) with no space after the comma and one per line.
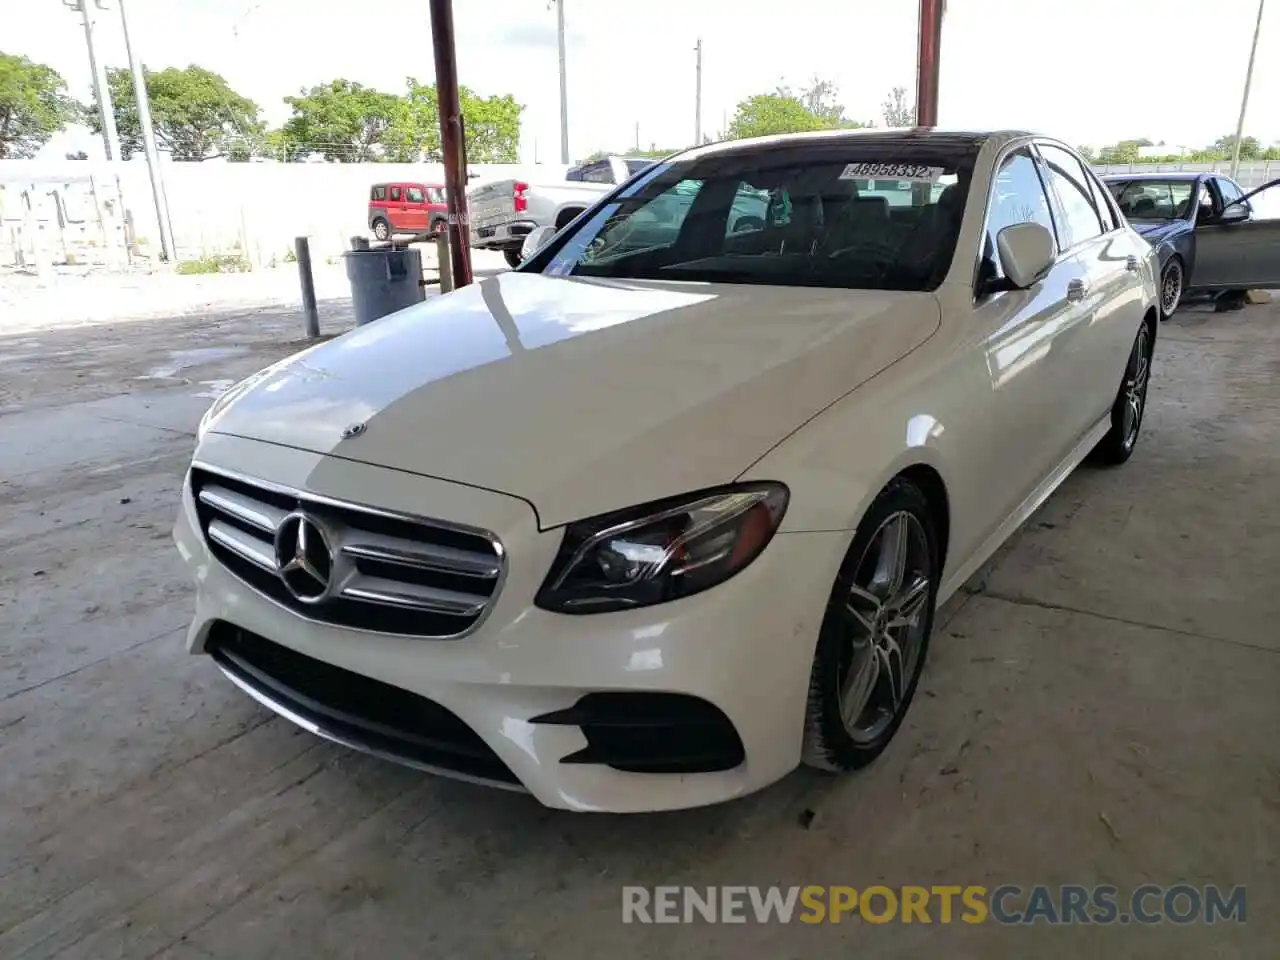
(413,208)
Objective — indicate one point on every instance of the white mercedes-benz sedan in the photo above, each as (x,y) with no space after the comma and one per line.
(668,510)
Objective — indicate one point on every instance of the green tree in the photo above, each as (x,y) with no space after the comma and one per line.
(33,106)
(1250,148)
(195,113)
(785,111)
(492,126)
(770,113)
(345,122)
(1087,152)
(896,110)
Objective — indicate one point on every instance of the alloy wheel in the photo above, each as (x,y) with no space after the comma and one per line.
(1171,287)
(1135,386)
(886,622)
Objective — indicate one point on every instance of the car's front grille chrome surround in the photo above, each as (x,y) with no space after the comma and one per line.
(349,564)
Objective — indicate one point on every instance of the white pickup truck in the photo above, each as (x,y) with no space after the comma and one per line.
(503,212)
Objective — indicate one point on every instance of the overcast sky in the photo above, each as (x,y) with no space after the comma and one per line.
(1089,71)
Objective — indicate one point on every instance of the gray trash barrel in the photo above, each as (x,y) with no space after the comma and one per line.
(383,281)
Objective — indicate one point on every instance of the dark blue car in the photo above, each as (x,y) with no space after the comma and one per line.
(1206,230)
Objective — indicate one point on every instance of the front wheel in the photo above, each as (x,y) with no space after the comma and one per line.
(874,637)
(1130,403)
(1172,281)
(512,256)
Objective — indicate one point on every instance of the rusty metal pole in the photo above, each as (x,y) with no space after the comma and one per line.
(451,139)
(928,54)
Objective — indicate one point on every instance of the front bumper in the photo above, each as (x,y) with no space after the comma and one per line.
(745,647)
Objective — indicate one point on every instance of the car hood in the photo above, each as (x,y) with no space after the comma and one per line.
(580,396)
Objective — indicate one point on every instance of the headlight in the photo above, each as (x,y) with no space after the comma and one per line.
(662,551)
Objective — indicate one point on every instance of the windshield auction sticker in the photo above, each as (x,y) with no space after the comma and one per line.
(892,171)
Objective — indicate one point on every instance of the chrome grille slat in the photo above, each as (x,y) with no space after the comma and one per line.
(386,572)
(465,563)
(243,544)
(396,594)
(261,515)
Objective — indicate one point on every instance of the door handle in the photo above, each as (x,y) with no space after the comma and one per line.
(1131,263)
(1076,290)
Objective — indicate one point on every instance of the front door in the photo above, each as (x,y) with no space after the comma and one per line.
(397,209)
(1239,247)
(416,217)
(1018,334)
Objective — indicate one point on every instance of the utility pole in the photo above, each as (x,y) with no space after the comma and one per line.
(928,54)
(697,98)
(564,84)
(637,136)
(167,250)
(1244,100)
(101,92)
(452,141)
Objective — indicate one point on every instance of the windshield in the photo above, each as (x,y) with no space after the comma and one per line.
(1153,199)
(819,216)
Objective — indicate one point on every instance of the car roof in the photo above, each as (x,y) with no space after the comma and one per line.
(969,141)
(1171,175)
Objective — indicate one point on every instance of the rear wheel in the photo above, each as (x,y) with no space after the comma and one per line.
(1130,403)
(382,229)
(874,637)
(512,256)
(1172,281)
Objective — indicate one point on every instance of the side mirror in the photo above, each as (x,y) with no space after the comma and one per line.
(1234,213)
(535,241)
(1026,253)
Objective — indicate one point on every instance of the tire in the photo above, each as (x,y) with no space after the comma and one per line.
(512,256)
(382,229)
(856,633)
(1173,281)
(1131,402)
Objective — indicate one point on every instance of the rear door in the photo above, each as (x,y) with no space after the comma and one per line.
(1112,258)
(1087,353)
(1239,247)
(416,218)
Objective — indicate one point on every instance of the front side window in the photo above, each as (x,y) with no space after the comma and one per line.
(1070,183)
(1017,196)
(416,195)
(1230,192)
(789,217)
(435,195)
(1155,199)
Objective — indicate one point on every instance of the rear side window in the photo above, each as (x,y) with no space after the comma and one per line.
(395,194)
(379,192)
(1071,185)
(415,195)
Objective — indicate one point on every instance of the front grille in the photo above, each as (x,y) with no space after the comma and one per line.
(355,710)
(643,732)
(346,564)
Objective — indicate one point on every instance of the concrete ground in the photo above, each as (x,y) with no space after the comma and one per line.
(1099,706)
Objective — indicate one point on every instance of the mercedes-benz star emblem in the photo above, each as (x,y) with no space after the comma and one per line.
(354,430)
(304,557)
